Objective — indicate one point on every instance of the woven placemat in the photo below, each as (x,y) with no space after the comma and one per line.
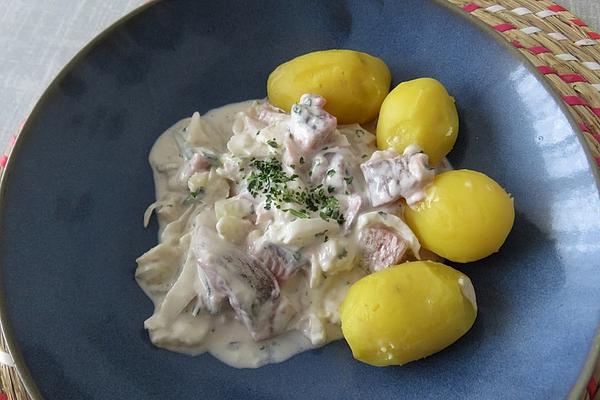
(560,46)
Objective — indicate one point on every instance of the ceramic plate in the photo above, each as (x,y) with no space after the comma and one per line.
(79,181)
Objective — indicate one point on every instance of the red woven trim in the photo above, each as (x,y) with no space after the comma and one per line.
(538,50)
(596,111)
(504,27)
(594,35)
(3,396)
(578,22)
(584,127)
(471,7)
(575,101)
(592,387)
(597,137)
(544,69)
(597,162)
(4,161)
(572,78)
(517,44)
(556,8)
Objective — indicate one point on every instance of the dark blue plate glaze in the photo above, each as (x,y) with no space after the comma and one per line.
(79,182)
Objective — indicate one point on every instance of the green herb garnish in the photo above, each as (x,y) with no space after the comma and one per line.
(270,180)
(297,213)
(272,143)
(197,193)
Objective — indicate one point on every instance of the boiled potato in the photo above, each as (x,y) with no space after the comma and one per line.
(407,312)
(418,112)
(465,217)
(353,83)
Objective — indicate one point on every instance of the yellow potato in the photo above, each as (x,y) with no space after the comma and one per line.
(418,112)
(407,312)
(465,217)
(353,83)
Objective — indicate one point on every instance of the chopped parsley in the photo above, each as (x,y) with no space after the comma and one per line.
(331,172)
(330,189)
(272,143)
(194,196)
(270,180)
(349,179)
(301,160)
(197,193)
(297,213)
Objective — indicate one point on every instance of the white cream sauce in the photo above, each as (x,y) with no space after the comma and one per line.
(210,294)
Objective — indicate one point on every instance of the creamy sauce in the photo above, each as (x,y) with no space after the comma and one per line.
(249,274)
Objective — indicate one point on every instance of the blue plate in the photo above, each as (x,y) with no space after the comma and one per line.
(79,181)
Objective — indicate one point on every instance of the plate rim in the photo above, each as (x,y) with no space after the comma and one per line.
(593,355)
(5,326)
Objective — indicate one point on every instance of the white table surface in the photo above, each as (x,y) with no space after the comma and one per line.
(37,37)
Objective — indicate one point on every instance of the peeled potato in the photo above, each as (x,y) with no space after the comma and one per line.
(353,83)
(418,112)
(407,312)
(465,217)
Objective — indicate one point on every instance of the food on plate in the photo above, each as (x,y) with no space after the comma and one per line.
(406,312)
(353,83)
(273,213)
(266,218)
(418,112)
(465,216)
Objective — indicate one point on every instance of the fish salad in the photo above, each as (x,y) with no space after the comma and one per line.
(285,223)
(266,218)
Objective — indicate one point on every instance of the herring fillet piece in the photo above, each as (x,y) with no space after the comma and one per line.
(381,247)
(390,176)
(252,290)
(310,124)
(281,261)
